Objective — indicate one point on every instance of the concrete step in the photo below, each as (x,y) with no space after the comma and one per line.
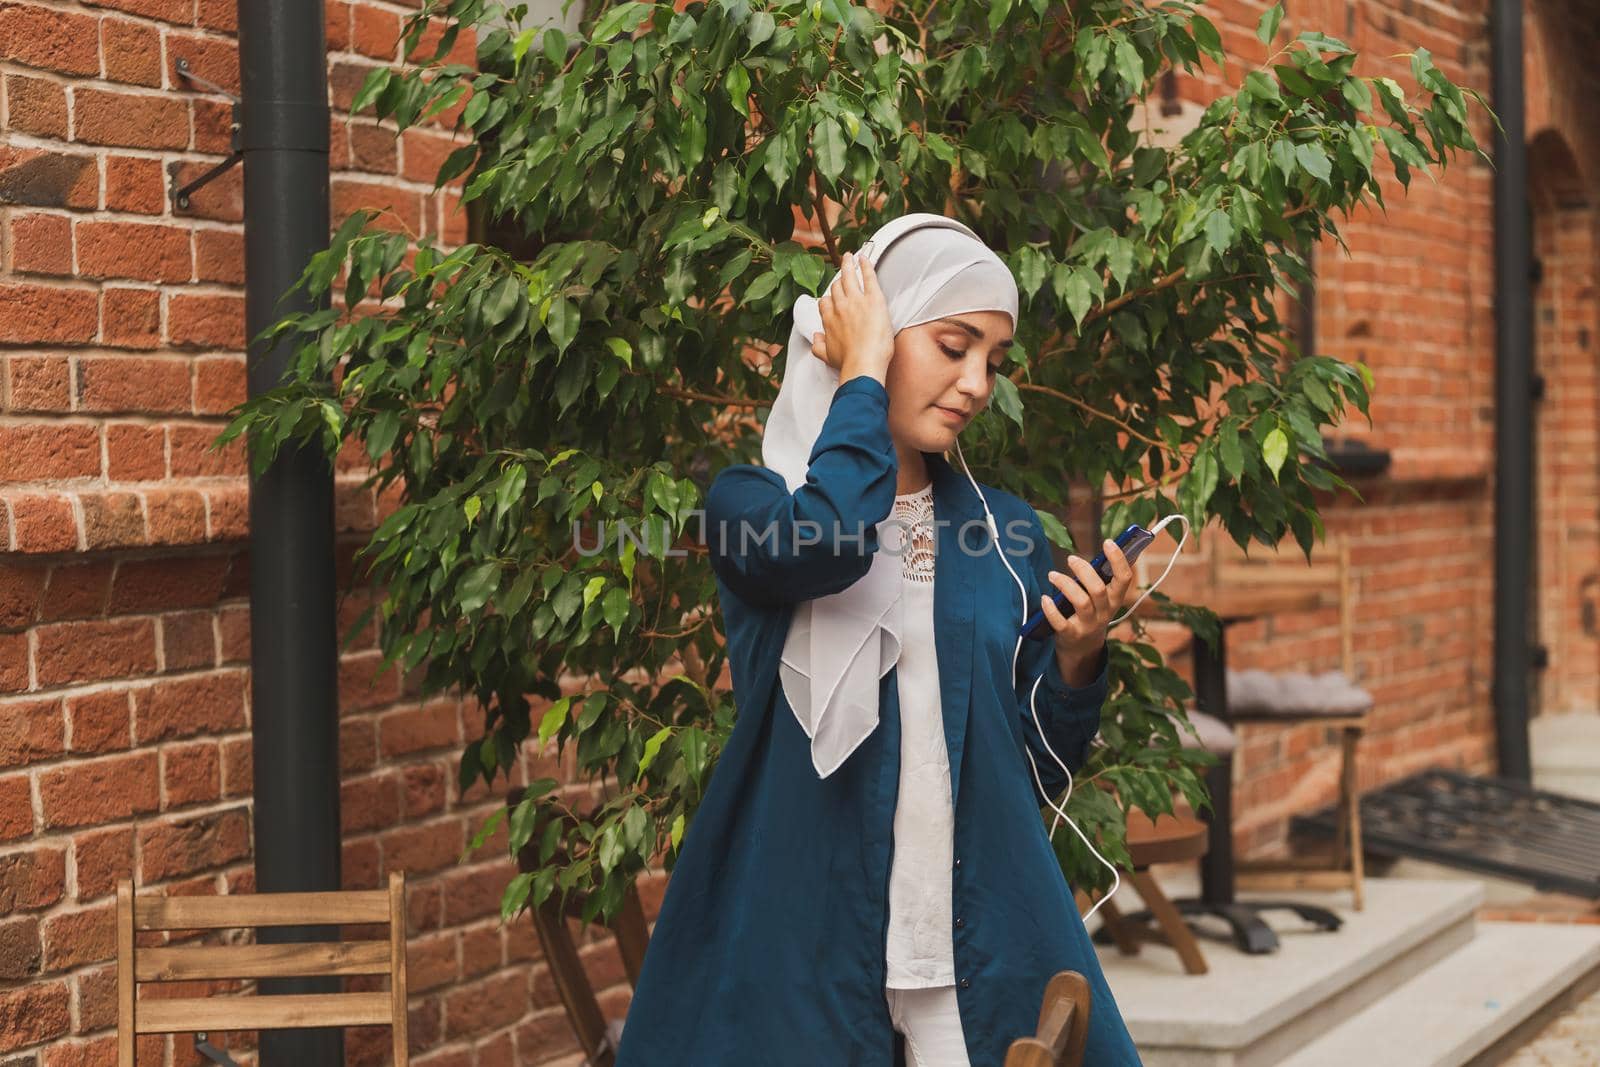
(1463,1006)
(1256,1011)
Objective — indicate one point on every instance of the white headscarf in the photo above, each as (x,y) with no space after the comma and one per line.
(838,646)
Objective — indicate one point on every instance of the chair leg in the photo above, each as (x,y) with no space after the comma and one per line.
(1126,938)
(1179,936)
(1351,788)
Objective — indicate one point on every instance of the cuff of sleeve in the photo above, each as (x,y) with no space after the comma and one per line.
(1077,698)
(864,384)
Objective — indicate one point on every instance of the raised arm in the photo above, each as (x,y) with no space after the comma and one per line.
(771,546)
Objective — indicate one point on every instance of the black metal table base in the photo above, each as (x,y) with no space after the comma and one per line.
(1245,926)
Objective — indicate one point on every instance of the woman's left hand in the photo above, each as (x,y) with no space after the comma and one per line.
(1080,636)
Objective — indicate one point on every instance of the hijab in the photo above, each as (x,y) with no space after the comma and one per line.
(838,646)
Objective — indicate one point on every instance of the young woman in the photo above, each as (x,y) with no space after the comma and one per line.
(868,880)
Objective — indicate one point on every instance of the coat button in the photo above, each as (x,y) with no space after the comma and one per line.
(958,865)
(965,984)
(960,923)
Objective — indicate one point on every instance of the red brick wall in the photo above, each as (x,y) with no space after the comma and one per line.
(124,685)
(124,620)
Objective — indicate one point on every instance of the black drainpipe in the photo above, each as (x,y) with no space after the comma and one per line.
(293,646)
(1513,394)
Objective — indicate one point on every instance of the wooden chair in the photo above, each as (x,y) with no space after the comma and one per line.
(597,1036)
(1334,701)
(1063,1026)
(178,963)
(1169,839)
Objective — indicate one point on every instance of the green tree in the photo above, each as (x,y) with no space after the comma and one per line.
(655,162)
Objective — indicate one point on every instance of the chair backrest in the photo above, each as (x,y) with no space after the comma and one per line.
(1223,564)
(596,1037)
(1063,1026)
(179,963)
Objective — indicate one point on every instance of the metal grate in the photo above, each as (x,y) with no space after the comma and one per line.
(1490,825)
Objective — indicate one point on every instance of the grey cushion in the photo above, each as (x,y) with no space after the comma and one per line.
(1295,693)
(1216,736)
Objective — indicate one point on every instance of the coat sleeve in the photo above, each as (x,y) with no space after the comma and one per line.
(1070,715)
(773,547)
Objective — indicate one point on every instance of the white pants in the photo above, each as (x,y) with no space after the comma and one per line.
(932,1025)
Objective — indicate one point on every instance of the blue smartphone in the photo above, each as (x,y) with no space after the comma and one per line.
(1134,540)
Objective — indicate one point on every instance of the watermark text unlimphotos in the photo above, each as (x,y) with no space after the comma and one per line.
(802,536)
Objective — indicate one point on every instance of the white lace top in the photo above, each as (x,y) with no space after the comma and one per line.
(920,950)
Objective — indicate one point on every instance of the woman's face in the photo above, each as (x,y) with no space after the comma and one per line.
(942,375)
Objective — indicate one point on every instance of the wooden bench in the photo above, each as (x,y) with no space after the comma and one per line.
(138,914)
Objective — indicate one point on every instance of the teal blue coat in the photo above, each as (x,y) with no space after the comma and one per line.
(769,949)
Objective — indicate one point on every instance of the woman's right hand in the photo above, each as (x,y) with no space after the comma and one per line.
(857,337)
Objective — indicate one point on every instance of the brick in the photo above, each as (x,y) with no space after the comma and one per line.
(222,15)
(423,152)
(220,200)
(135,452)
(100,1052)
(101,721)
(473,893)
(132,318)
(176,516)
(192,456)
(41,451)
(39,314)
(41,244)
(177,12)
(102,857)
(185,846)
(38,178)
(464,50)
(192,774)
(398,208)
(14,663)
(228,513)
(141,251)
(206,320)
(49,39)
(21,587)
(123,384)
(425,791)
(43,524)
(21,952)
(375,32)
(219,256)
(213,126)
(30,731)
(91,792)
(344,81)
(74,938)
(370,803)
(188,641)
(16,807)
(75,591)
(72,653)
(206,703)
(426,848)
(37,106)
(130,52)
(129,120)
(135,184)
(485,1006)
(219,384)
(32,880)
(38,383)
(237,773)
(157,584)
(211,58)
(112,520)
(37,1012)
(97,997)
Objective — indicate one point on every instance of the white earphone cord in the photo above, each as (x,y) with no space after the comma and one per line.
(994,532)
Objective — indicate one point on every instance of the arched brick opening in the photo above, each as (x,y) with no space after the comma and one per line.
(1567,434)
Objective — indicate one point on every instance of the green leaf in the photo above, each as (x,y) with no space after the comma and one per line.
(652,747)
(553,720)
(1314,160)
(1267,25)
(592,589)
(1274,450)
(829,145)
(1007,399)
